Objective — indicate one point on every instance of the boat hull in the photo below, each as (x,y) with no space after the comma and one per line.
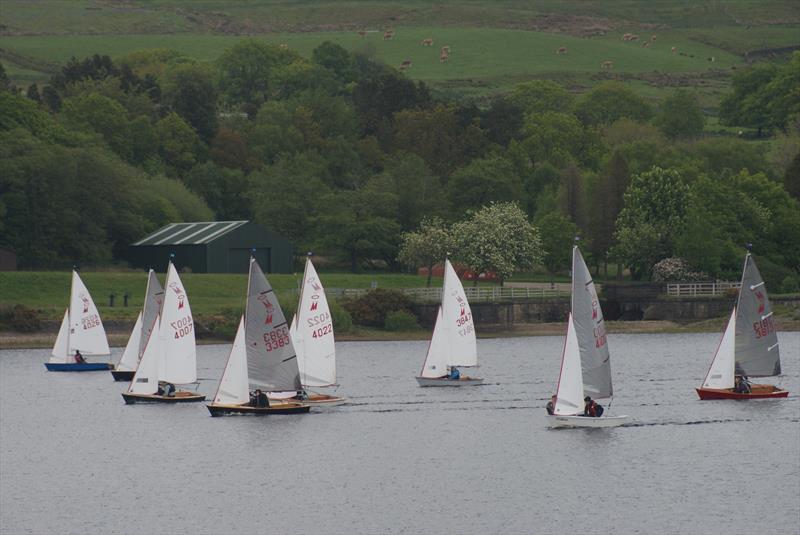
(756,392)
(181,396)
(281,408)
(123,375)
(78,367)
(575,421)
(324,400)
(444,381)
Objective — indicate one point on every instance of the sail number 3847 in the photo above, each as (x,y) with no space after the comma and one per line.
(764,327)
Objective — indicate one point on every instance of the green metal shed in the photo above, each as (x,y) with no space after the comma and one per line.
(214,247)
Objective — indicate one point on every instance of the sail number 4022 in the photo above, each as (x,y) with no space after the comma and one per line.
(182,327)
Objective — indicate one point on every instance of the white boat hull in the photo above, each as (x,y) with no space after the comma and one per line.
(554,420)
(442,381)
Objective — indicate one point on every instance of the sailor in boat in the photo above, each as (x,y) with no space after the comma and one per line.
(592,408)
(166,389)
(551,405)
(259,399)
(741,384)
(455,374)
(79,358)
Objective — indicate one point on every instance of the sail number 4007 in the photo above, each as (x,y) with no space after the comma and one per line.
(182,327)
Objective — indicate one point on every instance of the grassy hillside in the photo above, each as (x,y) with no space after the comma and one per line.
(494,44)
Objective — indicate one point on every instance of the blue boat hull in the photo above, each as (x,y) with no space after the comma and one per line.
(75,367)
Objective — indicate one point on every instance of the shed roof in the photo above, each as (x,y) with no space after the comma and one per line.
(190,233)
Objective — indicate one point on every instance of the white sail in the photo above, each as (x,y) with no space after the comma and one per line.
(233,387)
(757,351)
(86,332)
(569,396)
(720,374)
(312,333)
(271,359)
(435,364)
(145,380)
(458,327)
(60,354)
(176,333)
(151,308)
(130,357)
(590,331)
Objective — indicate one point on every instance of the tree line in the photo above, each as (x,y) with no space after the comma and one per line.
(343,154)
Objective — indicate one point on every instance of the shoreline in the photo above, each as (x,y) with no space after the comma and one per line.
(41,340)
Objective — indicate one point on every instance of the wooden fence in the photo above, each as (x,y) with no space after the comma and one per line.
(701,289)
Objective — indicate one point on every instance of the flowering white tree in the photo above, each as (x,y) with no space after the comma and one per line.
(429,245)
(497,238)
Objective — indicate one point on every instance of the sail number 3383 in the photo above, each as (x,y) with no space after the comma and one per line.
(276,339)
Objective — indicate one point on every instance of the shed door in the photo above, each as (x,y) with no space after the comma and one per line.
(239,259)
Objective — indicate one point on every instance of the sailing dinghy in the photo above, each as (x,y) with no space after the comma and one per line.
(145,321)
(170,354)
(453,342)
(312,336)
(262,357)
(81,331)
(749,346)
(586,363)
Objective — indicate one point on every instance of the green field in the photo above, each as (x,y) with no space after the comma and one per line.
(209,294)
(494,45)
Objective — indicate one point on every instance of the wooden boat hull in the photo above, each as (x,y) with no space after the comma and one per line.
(78,367)
(324,400)
(278,408)
(756,392)
(123,375)
(575,421)
(444,381)
(181,396)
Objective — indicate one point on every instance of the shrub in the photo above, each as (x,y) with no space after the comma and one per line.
(400,320)
(790,284)
(371,308)
(24,319)
(676,270)
(773,274)
(342,322)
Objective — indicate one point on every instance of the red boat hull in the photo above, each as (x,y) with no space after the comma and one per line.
(756,392)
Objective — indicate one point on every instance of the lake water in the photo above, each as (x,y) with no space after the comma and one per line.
(403,459)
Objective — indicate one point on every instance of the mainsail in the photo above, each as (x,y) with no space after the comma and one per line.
(312,333)
(453,342)
(271,359)
(757,351)
(590,331)
(86,333)
(176,333)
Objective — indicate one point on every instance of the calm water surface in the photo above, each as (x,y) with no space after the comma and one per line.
(402,459)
